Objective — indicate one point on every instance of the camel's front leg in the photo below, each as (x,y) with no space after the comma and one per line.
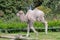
(31,26)
(34,30)
(28,30)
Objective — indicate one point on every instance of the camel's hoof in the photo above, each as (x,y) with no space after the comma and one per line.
(27,35)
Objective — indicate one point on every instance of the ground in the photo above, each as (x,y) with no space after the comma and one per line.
(42,35)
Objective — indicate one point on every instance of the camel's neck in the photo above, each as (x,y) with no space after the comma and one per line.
(23,17)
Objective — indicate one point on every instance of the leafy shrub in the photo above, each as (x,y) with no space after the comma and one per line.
(38,25)
(54,23)
(12,25)
(19,25)
(44,9)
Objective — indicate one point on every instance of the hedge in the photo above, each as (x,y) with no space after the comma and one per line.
(51,24)
(18,25)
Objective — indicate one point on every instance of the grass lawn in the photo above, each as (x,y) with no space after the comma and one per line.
(42,36)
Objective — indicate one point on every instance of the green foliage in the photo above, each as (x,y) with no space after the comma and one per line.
(13,25)
(9,7)
(18,25)
(52,4)
(54,23)
(44,9)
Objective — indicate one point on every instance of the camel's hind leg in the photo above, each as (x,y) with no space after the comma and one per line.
(45,23)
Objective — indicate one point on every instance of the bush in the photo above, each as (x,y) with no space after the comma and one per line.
(19,25)
(54,23)
(44,9)
(15,24)
(12,25)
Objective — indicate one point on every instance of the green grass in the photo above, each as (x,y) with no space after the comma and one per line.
(42,36)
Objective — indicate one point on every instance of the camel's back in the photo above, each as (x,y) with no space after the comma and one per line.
(33,14)
(38,12)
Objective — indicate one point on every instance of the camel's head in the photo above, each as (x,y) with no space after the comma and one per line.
(20,13)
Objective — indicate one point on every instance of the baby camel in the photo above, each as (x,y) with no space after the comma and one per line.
(32,16)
